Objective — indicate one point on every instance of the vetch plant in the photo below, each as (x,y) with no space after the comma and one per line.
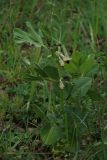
(67,82)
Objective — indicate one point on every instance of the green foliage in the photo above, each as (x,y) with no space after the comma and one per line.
(53,75)
(31,37)
(81,86)
(51,134)
(82,65)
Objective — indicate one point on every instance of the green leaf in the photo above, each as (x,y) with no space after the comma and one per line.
(52,72)
(82,65)
(81,86)
(33,33)
(72,67)
(40,112)
(40,71)
(30,78)
(87,65)
(50,134)
(30,37)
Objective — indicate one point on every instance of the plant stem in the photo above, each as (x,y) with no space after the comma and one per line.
(64,115)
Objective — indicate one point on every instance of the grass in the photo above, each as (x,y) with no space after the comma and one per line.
(53,80)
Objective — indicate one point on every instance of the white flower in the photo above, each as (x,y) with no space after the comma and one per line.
(65,58)
(61,85)
(61,62)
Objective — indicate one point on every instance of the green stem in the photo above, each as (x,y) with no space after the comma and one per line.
(64,115)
